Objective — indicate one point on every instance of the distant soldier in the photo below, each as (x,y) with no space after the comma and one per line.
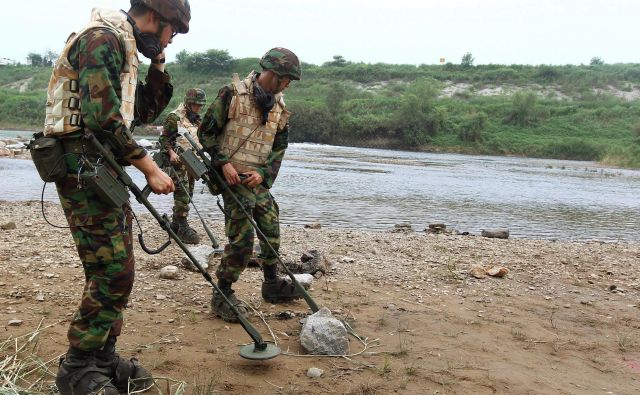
(185,118)
(94,87)
(246,132)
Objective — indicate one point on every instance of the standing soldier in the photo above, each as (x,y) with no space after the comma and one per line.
(186,117)
(94,88)
(246,132)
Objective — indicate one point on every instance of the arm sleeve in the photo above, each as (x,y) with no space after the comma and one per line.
(169,133)
(99,57)
(213,124)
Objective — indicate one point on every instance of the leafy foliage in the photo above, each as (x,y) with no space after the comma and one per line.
(541,111)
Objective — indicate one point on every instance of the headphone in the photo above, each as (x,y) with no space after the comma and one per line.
(147,43)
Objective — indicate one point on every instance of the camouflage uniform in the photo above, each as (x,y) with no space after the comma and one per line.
(103,234)
(181,178)
(257,201)
(258,133)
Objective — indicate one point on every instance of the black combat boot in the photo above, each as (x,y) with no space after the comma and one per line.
(278,289)
(127,375)
(186,233)
(221,308)
(79,374)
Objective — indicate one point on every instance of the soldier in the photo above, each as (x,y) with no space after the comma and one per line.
(187,117)
(245,130)
(94,87)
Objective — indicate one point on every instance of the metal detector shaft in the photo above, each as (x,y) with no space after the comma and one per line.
(222,183)
(214,242)
(166,225)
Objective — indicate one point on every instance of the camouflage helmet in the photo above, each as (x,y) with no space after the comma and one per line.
(195,96)
(176,12)
(282,62)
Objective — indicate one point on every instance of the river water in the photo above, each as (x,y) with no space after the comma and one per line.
(374,189)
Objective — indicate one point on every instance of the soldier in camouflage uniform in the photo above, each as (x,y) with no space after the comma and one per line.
(185,118)
(94,87)
(246,131)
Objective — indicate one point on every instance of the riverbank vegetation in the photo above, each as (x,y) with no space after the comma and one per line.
(585,112)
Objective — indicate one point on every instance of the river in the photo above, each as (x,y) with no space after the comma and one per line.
(374,189)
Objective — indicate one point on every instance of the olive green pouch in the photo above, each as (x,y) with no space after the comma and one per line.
(47,154)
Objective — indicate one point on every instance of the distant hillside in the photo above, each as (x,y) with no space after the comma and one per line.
(569,112)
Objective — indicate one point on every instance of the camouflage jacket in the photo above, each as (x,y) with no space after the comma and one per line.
(169,133)
(213,124)
(98,56)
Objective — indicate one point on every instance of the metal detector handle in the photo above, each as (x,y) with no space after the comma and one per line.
(146,191)
(149,251)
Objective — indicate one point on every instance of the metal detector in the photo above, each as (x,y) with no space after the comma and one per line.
(158,157)
(222,184)
(259,350)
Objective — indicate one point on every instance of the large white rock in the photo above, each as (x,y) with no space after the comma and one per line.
(169,272)
(322,334)
(305,279)
(204,254)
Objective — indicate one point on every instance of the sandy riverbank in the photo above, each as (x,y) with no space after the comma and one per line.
(563,321)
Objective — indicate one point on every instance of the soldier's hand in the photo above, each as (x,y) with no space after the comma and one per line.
(160,182)
(174,158)
(253,179)
(230,174)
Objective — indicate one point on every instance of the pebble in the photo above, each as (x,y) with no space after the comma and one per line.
(314,373)
(15,322)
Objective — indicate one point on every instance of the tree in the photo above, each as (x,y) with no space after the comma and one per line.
(49,58)
(473,127)
(211,60)
(467,60)
(596,61)
(523,112)
(338,61)
(182,56)
(419,119)
(34,59)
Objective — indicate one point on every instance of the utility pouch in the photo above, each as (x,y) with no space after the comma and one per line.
(106,186)
(47,154)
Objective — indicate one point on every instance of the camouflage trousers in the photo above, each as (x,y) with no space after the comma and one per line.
(103,238)
(184,190)
(260,204)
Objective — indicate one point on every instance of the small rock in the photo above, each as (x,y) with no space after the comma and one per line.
(8,226)
(612,287)
(315,225)
(498,271)
(314,373)
(15,322)
(169,272)
(400,228)
(161,297)
(40,297)
(304,279)
(500,233)
(346,259)
(478,271)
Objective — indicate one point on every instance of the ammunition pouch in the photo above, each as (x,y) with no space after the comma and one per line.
(47,154)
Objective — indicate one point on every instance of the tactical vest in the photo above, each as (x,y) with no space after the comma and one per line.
(246,140)
(63,113)
(183,123)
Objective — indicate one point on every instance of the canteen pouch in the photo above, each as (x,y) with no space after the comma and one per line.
(47,154)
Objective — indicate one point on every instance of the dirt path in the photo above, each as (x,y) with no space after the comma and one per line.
(554,325)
